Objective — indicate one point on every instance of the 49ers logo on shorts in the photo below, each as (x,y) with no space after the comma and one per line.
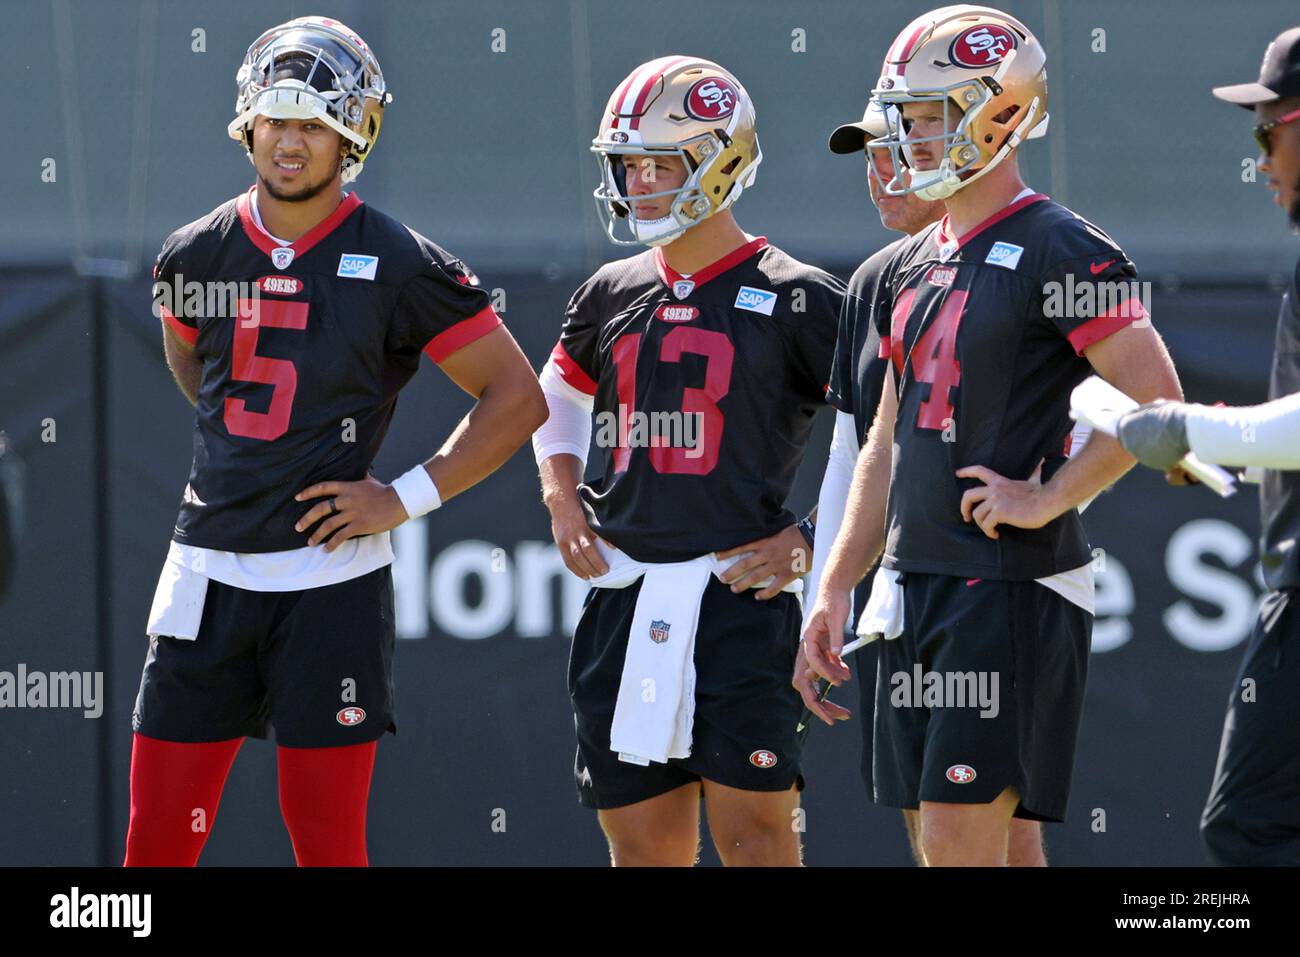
(280,285)
(712,98)
(763,759)
(671,313)
(981,46)
(350,716)
(961,774)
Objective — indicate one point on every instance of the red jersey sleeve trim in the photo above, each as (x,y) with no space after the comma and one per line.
(1094,330)
(886,345)
(188,333)
(462,334)
(571,372)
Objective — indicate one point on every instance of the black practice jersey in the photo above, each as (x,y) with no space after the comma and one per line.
(1280,491)
(858,371)
(741,349)
(301,373)
(986,335)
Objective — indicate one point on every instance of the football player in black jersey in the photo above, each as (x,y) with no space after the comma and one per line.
(704,359)
(1252,816)
(857,375)
(987,328)
(275,605)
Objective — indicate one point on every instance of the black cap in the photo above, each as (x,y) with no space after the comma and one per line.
(1279,74)
(852,137)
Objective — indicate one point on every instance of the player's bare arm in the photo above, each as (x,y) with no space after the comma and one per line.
(1136,362)
(573,536)
(859,542)
(509,409)
(187,368)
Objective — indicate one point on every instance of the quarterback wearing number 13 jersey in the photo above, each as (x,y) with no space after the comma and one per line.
(744,346)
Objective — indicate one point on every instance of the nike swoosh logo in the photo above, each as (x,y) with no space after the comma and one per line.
(1096,270)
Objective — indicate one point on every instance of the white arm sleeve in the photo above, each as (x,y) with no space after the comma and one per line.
(1267,435)
(831,502)
(568,430)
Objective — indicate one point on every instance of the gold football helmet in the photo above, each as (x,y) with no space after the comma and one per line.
(688,107)
(313,68)
(979,62)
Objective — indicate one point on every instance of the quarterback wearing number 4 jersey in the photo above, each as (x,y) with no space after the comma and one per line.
(704,360)
(988,319)
(275,605)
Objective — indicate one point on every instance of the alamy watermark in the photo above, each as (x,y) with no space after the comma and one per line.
(1086,299)
(945,689)
(53,689)
(633,429)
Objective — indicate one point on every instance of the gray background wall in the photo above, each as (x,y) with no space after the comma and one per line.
(486,153)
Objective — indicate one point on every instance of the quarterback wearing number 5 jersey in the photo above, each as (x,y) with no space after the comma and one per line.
(704,359)
(293,315)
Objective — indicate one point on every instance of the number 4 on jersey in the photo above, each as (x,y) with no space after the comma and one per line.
(934,362)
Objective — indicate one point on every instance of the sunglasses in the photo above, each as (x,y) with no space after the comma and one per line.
(1264,131)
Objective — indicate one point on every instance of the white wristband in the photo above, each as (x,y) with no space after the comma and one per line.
(416,490)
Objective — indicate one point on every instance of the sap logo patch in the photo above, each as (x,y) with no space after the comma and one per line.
(357,266)
(350,716)
(670,313)
(281,257)
(755,300)
(280,285)
(1006,255)
(941,275)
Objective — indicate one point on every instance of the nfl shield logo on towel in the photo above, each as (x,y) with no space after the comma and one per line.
(659,631)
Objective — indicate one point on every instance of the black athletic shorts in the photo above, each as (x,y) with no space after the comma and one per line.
(315,664)
(746,711)
(1252,816)
(982,691)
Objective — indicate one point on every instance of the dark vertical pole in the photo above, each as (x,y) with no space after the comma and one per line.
(103,509)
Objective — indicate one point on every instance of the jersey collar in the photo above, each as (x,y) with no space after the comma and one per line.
(711,271)
(262,239)
(1026,198)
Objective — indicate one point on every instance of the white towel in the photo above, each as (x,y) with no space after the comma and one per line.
(178,600)
(655,711)
(883,616)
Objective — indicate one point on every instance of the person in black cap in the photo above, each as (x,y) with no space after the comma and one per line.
(1253,812)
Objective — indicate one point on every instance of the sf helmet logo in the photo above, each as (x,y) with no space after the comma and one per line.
(712,98)
(981,46)
(350,716)
(961,774)
(763,759)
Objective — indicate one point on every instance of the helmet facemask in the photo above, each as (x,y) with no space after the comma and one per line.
(311,69)
(707,159)
(963,160)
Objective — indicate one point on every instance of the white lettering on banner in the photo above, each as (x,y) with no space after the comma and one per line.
(1114,602)
(517,597)
(525,591)
(1194,577)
